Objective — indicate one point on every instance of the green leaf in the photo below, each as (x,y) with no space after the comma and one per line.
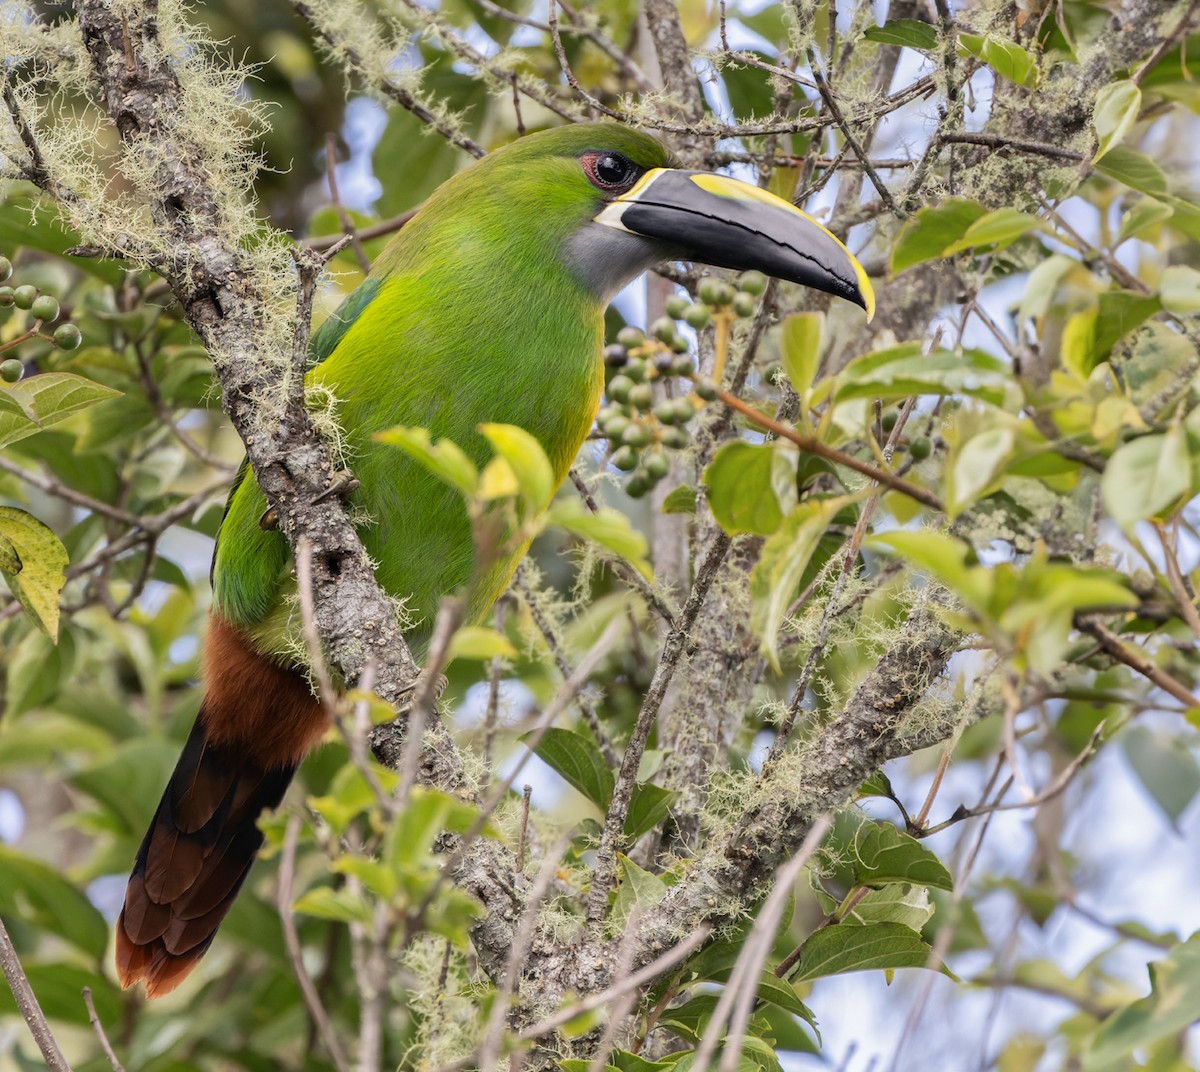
(577,759)
(341,905)
(480,643)
(1147,477)
(648,807)
(1134,169)
(1147,213)
(680,500)
(901,371)
(59,990)
(528,461)
(841,948)
(1116,110)
(1168,1009)
(1166,768)
(908,33)
(800,349)
(977,464)
(869,853)
(1000,229)
(428,813)
(638,892)
(43,562)
(781,564)
(748,485)
(41,401)
(1179,289)
(10,561)
(610,528)
(934,229)
(945,557)
(34,892)
(446,460)
(897,902)
(1006,58)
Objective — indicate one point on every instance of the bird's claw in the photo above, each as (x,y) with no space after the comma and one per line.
(343,483)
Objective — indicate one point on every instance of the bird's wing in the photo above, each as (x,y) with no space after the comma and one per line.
(325,339)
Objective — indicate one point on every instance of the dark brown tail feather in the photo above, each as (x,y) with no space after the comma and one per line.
(257,721)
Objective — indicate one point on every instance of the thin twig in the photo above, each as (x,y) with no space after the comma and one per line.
(814,446)
(27,1004)
(1134,659)
(343,216)
(737,999)
(604,871)
(98,1027)
(291,939)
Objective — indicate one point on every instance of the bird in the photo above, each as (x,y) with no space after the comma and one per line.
(487,306)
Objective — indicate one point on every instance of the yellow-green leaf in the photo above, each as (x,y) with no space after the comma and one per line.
(528,461)
(38,402)
(42,565)
(443,458)
(479,642)
(800,348)
(1117,107)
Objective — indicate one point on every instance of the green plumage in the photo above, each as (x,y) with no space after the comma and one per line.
(475,312)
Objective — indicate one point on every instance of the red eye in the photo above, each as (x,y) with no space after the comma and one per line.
(609,171)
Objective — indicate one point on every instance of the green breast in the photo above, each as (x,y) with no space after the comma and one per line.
(436,350)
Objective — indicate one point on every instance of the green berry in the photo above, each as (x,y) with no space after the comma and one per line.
(636,435)
(637,486)
(656,464)
(675,438)
(607,413)
(5,268)
(6,297)
(696,316)
(889,420)
(664,412)
(772,371)
(630,337)
(674,306)
(615,355)
(683,366)
(636,370)
(664,363)
(45,308)
(678,345)
(743,304)
(615,427)
(619,388)
(725,294)
(706,389)
(663,329)
(920,448)
(684,411)
(752,283)
(625,459)
(23,296)
(67,337)
(11,370)
(710,290)
(641,396)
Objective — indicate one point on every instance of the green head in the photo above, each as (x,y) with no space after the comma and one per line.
(601,202)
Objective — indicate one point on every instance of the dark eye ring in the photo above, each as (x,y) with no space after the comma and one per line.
(609,171)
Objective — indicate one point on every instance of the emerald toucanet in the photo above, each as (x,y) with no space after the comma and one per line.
(487,306)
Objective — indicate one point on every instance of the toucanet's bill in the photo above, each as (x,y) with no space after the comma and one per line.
(487,306)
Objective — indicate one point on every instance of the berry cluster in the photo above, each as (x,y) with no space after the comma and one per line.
(44,309)
(639,429)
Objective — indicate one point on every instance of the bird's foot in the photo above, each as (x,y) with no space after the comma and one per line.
(344,482)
